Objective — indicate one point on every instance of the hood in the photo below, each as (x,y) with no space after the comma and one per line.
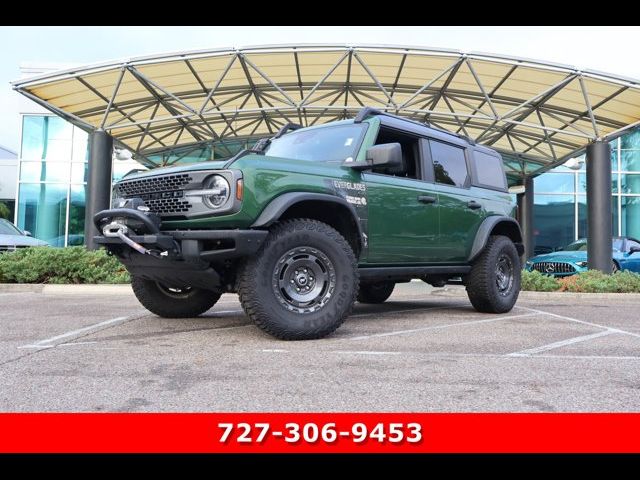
(21,241)
(561,256)
(212,165)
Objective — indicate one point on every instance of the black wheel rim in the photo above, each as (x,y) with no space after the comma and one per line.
(174,292)
(504,275)
(304,280)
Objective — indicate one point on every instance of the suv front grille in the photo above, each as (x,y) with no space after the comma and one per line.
(551,268)
(163,194)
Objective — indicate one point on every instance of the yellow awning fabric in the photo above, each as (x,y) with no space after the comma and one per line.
(540,112)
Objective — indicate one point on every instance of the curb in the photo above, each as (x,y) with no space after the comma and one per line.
(635,297)
(21,288)
(89,289)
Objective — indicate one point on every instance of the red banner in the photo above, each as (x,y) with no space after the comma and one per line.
(319,432)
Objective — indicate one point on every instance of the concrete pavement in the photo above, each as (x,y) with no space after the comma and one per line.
(423,350)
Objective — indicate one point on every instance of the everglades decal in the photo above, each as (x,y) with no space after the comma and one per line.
(355,194)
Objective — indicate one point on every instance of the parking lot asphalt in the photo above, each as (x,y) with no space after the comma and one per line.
(423,350)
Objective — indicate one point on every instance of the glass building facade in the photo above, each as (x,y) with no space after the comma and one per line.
(560,210)
(53,176)
(52,179)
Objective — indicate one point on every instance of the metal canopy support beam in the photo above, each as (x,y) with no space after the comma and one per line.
(537,126)
(599,228)
(525,216)
(99,182)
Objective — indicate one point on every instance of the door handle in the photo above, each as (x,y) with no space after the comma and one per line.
(473,205)
(427,199)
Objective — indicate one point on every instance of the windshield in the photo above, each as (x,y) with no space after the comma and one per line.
(328,144)
(581,245)
(7,228)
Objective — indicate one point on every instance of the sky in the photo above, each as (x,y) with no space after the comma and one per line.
(608,49)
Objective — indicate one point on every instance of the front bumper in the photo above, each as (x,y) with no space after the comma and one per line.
(557,272)
(196,258)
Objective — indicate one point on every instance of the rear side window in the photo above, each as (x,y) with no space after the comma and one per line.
(449,164)
(489,170)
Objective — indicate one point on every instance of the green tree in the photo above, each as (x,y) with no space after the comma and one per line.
(4,211)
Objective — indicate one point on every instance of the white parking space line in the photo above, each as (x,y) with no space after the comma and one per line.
(560,344)
(408,310)
(438,327)
(583,322)
(494,356)
(365,352)
(50,342)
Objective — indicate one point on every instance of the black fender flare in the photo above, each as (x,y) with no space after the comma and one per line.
(484,231)
(274,210)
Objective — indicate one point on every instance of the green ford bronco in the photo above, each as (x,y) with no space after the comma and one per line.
(311,220)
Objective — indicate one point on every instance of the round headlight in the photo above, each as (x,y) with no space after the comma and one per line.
(216,191)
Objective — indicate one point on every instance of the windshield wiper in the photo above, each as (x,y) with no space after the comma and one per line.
(261,145)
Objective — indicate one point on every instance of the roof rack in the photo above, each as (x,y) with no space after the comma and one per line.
(369,111)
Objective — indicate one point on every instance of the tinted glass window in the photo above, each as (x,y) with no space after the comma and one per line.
(579,246)
(489,170)
(46,138)
(43,211)
(553,217)
(618,243)
(329,144)
(7,229)
(449,165)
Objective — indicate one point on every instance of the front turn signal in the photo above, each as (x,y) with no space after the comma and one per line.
(239,189)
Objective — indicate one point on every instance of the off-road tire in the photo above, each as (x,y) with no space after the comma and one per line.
(375,292)
(483,282)
(164,303)
(261,277)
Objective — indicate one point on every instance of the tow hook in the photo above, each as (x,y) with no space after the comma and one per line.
(119,230)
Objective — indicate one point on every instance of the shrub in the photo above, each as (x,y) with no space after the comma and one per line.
(538,282)
(4,211)
(594,281)
(61,265)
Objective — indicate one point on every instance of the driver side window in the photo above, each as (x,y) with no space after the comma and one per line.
(410,155)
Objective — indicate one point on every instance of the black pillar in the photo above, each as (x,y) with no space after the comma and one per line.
(599,236)
(525,216)
(98,195)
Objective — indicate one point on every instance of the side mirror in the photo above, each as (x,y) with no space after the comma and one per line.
(28,233)
(634,250)
(387,155)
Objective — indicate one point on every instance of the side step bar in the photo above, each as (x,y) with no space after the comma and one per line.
(390,273)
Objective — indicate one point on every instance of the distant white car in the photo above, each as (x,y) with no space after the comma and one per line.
(11,238)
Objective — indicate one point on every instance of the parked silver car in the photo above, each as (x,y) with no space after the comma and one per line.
(11,238)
